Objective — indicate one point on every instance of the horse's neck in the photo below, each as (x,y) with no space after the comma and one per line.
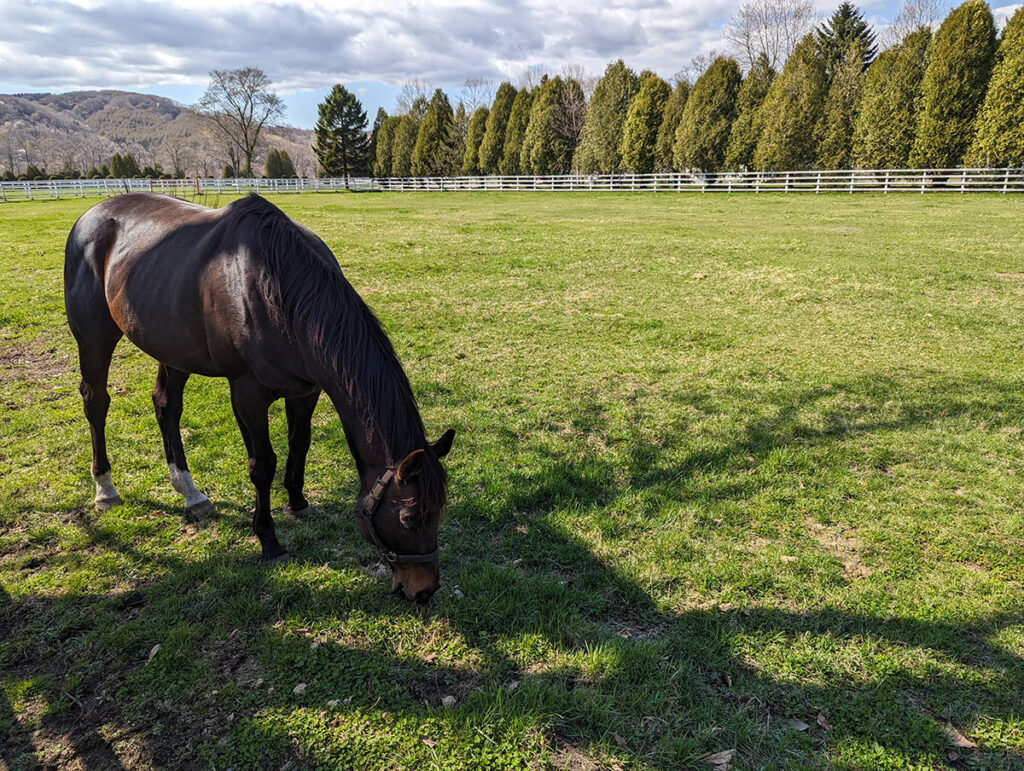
(371,447)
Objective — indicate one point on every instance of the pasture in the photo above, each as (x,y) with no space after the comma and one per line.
(732,473)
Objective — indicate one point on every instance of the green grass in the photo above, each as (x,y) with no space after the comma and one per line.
(723,464)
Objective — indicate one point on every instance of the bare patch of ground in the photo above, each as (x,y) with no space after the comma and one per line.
(840,542)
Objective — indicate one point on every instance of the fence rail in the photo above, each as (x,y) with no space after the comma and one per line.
(856,181)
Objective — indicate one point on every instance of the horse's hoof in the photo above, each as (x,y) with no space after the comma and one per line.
(304,513)
(102,504)
(199,511)
(282,557)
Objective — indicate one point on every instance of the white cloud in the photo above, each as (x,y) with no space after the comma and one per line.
(302,45)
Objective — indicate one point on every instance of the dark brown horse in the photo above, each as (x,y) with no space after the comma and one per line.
(245,293)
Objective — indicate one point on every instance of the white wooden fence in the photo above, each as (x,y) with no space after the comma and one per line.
(855,181)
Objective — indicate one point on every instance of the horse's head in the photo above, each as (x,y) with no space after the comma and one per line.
(399,514)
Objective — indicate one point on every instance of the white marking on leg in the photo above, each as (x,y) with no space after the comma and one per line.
(182,482)
(104,488)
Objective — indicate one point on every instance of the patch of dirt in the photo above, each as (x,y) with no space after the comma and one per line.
(567,756)
(21,362)
(441,683)
(840,542)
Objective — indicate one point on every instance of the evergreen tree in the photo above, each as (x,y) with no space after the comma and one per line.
(492,145)
(474,138)
(385,140)
(836,35)
(515,133)
(433,141)
(791,111)
(116,166)
(746,129)
(640,131)
(456,149)
(371,148)
(229,171)
(341,144)
(959,64)
(664,146)
(601,138)
(546,147)
(999,140)
(279,165)
(887,122)
(835,133)
(406,132)
(703,133)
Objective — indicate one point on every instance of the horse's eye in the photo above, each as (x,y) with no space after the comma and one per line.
(409,518)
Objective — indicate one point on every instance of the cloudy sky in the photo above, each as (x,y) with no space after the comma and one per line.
(305,46)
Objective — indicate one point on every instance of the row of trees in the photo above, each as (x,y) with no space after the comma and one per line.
(927,101)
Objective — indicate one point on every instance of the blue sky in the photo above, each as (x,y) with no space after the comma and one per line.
(305,46)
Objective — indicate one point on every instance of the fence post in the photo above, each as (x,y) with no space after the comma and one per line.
(924,176)
(886,188)
(787,181)
(853,176)
(963,180)
(1006,180)
(817,183)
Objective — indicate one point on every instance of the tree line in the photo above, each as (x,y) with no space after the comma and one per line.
(927,100)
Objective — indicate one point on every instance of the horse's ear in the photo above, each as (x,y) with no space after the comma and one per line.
(443,445)
(410,466)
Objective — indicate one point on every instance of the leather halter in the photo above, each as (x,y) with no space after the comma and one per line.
(366,510)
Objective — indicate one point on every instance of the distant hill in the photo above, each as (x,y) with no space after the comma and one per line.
(81,129)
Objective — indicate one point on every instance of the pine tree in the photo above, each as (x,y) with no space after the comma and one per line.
(601,138)
(883,135)
(406,132)
(385,141)
(959,64)
(371,148)
(341,145)
(116,166)
(836,35)
(791,111)
(835,132)
(746,129)
(703,133)
(640,131)
(455,152)
(279,165)
(515,133)
(999,140)
(546,147)
(664,146)
(493,143)
(474,137)
(434,137)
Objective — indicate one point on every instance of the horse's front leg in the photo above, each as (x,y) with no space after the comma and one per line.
(167,402)
(300,415)
(250,402)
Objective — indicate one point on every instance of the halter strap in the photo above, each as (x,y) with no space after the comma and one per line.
(368,508)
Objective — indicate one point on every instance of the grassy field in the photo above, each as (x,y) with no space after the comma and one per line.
(732,474)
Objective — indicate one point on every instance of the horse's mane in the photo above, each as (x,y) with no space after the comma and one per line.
(311,300)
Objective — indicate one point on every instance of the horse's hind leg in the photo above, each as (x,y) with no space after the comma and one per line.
(167,393)
(94,353)
(250,401)
(300,415)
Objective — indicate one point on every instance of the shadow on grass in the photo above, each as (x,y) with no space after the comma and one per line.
(596,660)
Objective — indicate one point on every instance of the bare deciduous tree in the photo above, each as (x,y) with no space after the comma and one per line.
(913,14)
(413,91)
(477,92)
(698,66)
(530,77)
(587,80)
(771,27)
(240,104)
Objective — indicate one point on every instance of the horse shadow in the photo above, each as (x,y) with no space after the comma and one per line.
(611,668)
